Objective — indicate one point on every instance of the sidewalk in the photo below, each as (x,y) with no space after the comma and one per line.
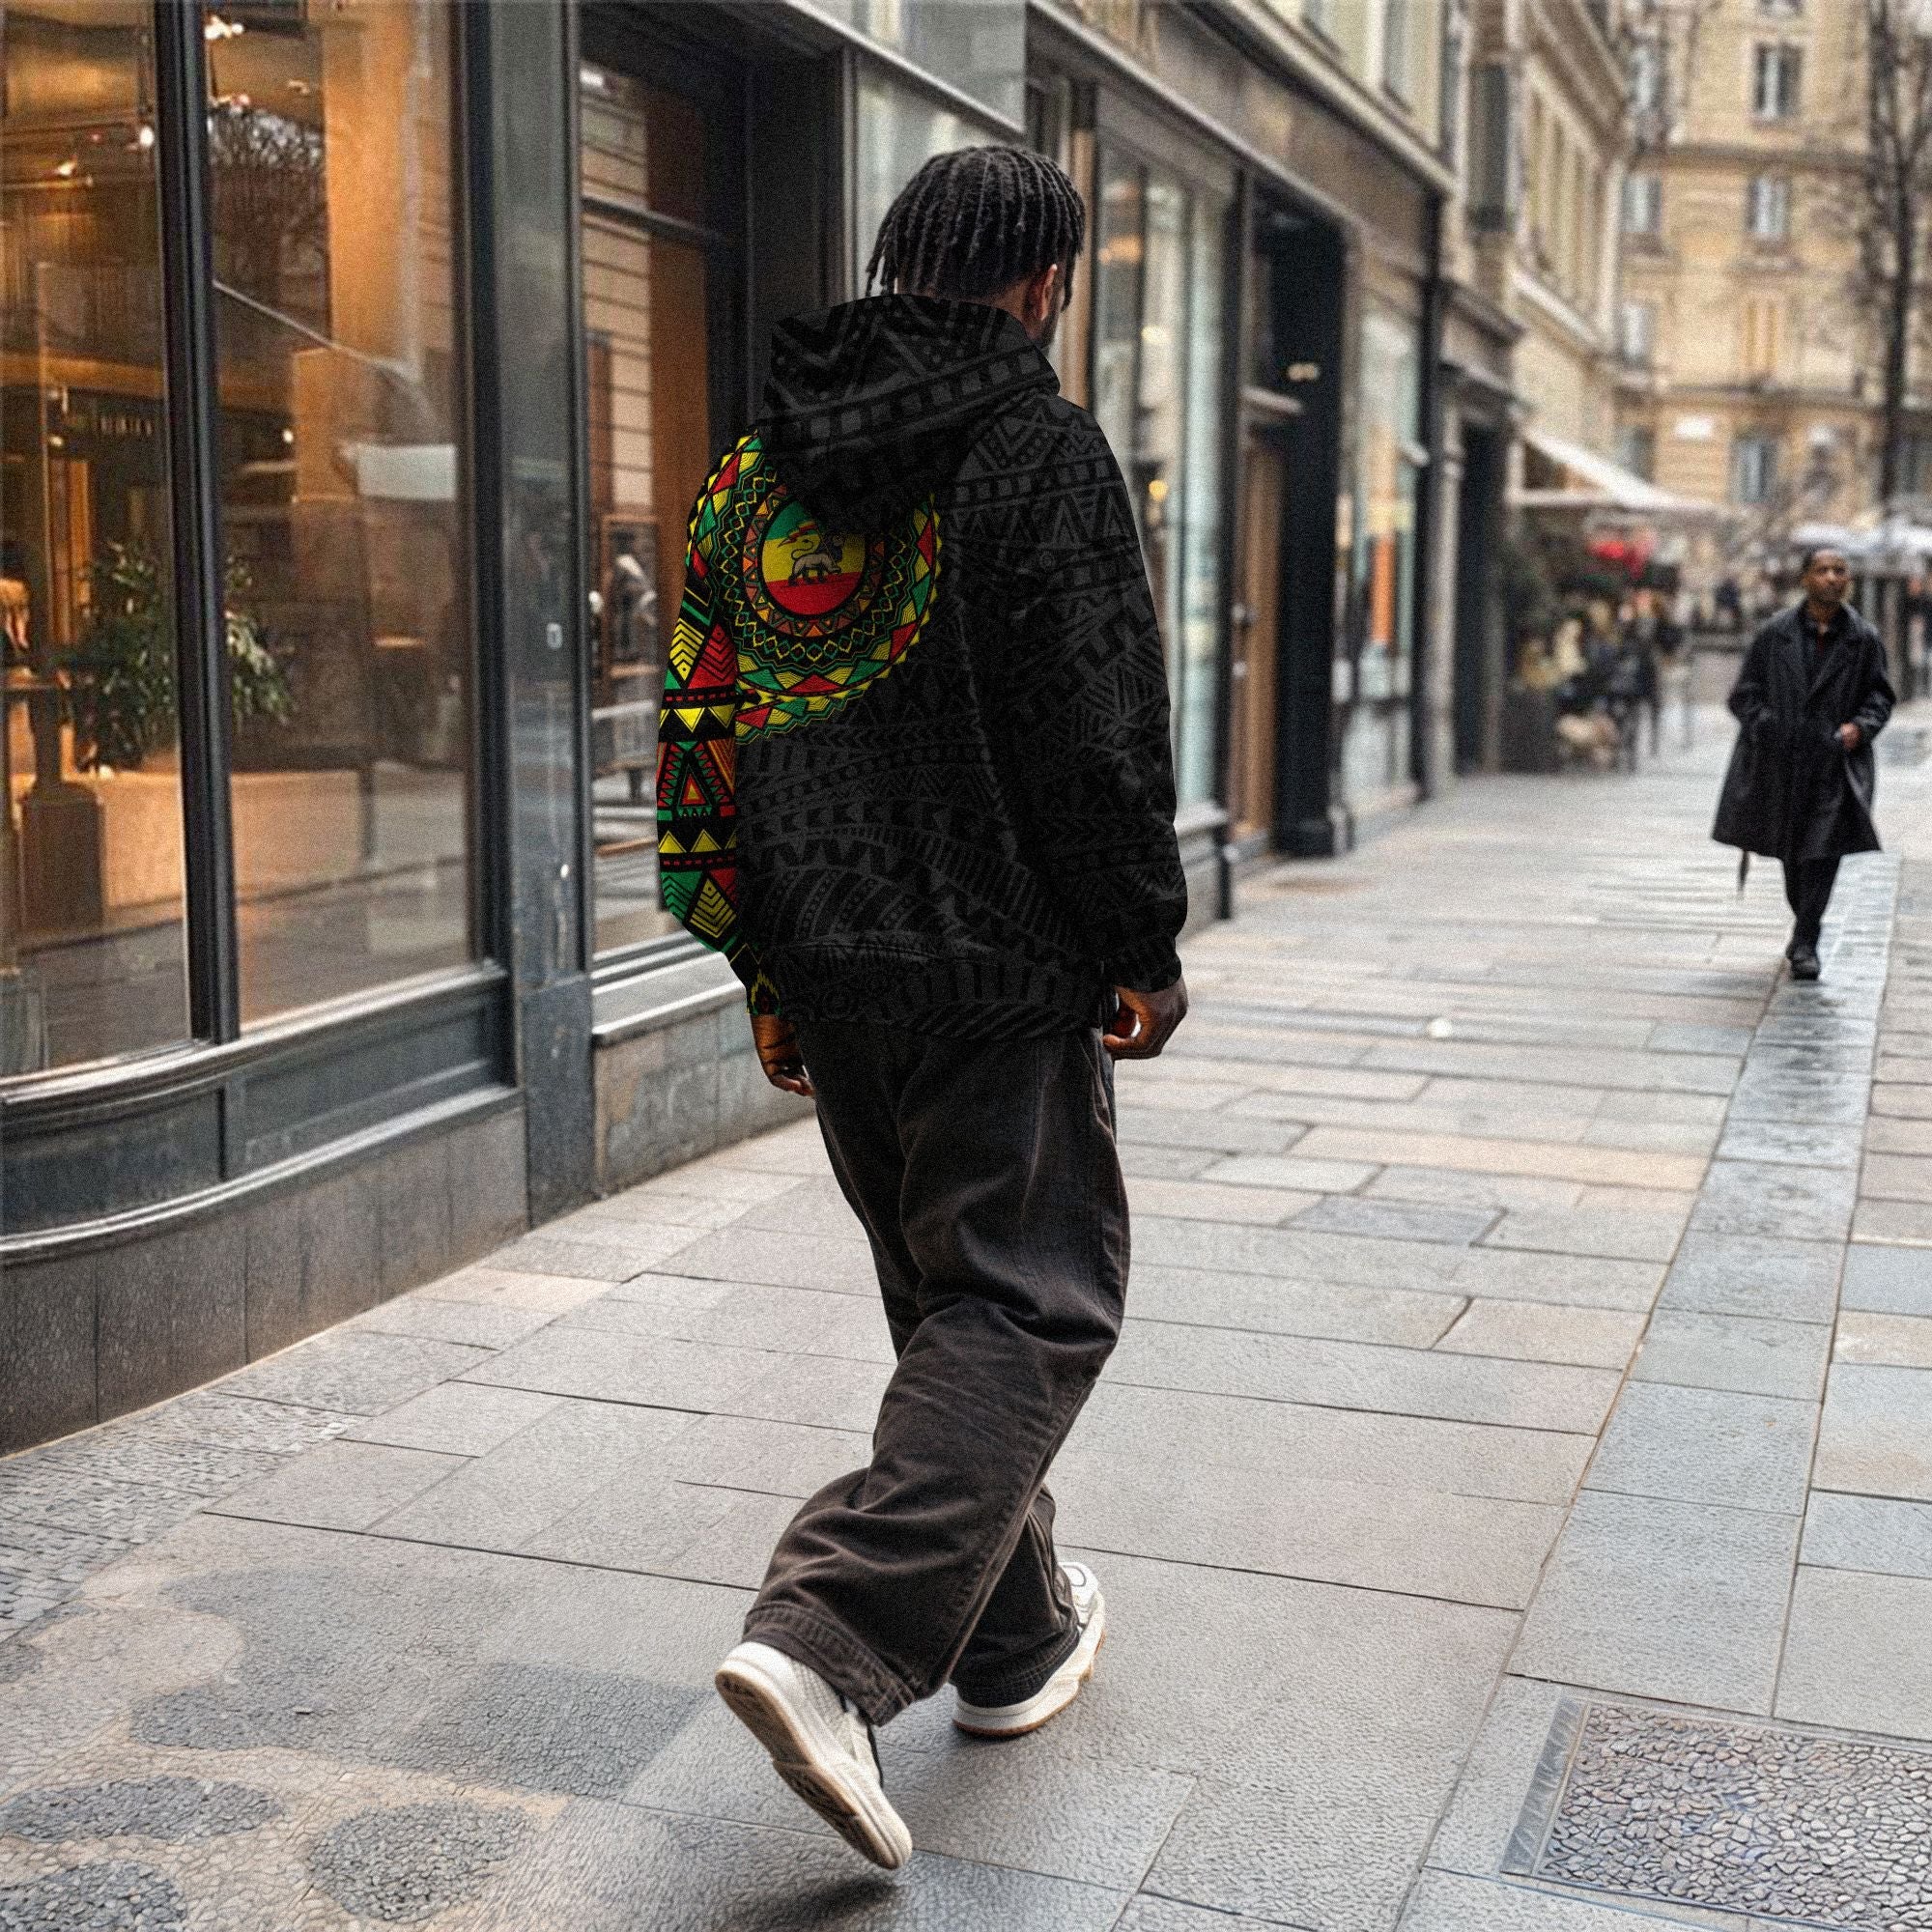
(1483,1548)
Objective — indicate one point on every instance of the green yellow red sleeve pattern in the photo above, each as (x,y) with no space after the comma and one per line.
(698,809)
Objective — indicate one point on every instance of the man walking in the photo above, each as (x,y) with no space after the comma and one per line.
(915,783)
(1810,699)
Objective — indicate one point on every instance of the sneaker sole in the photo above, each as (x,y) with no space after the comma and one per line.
(1025,1727)
(758,1704)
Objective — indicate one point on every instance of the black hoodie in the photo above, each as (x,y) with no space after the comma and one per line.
(915,766)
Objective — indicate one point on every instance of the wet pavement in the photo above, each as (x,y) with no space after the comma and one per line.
(1513,1489)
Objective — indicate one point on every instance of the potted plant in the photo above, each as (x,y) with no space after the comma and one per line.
(120,679)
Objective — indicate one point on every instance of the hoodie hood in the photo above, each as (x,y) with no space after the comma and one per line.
(874,404)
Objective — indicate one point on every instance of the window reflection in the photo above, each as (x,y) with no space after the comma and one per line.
(92,945)
(647,319)
(1376,745)
(333,229)
(899,134)
(1156,393)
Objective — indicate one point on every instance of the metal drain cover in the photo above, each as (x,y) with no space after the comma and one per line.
(1787,1825)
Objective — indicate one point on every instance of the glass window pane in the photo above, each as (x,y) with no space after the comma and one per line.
(898,132)
(349,632)
(1375,748)
(1154,465)
(648,324)
(1117,255)
(1202,604)
(978,46)
(92,920)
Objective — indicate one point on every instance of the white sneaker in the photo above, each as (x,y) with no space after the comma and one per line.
(819,1745)
(1012,1720)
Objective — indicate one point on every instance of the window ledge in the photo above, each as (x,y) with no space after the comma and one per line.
(662,996)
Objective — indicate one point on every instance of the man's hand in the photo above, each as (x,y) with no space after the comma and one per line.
(1143,1022)
(1850,736)
(778,1054)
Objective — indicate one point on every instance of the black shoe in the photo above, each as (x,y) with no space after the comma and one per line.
(1804,963)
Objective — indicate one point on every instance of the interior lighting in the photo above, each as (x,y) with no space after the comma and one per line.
(219,29)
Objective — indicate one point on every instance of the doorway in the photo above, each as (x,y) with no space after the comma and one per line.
(1480,669)
(1253,694)
(1292,478)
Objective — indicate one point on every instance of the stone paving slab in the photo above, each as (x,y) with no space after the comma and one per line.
(1673,1599)
(1707,1445)
(1426,1176)
(1751,1356)
(1857,1655)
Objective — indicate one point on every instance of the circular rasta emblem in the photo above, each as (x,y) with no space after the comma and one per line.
(806,574)
(817,616)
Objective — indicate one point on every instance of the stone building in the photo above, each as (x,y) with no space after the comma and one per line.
(1747,374)
(1531,272)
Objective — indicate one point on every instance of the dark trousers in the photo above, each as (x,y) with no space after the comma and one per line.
(986,1177)
(1807,889)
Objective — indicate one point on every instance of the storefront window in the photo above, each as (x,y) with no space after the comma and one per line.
(1375,744)
(1157,389)
(648,317)
(977,46)
(334,244)
(92,922)
(898,132)
(1202,605)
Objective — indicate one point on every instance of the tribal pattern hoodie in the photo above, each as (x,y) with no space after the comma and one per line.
(913,765)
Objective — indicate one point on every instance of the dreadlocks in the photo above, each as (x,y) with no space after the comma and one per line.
(975,221)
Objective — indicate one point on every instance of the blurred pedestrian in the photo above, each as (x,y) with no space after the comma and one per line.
(917,785)
(1654,638)
(1812,695)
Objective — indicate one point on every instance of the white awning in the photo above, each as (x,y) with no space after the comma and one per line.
(1896,543)
(1594,482)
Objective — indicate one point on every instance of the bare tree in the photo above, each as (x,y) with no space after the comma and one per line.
(1892,186)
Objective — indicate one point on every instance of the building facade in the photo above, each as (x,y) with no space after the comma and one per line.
(1748,365)
(1532,257)
(361,363)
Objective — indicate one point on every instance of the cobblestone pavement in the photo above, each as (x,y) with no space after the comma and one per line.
(1513,1488)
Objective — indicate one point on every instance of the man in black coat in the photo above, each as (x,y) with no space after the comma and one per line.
(1811,697)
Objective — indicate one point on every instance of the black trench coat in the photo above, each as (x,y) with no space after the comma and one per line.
(1793,792)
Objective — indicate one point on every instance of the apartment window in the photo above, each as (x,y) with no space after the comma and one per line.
(1768,208)
(1576,261)
(1636,451)
(1780,10)
(1398,48)
(1637,332)
(1915,464)
(1760,337)
(1643,204)
(1490,132)
(1776,74)
(1646,78)
(1753,469)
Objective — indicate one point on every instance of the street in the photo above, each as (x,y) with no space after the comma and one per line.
(1519,1457)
